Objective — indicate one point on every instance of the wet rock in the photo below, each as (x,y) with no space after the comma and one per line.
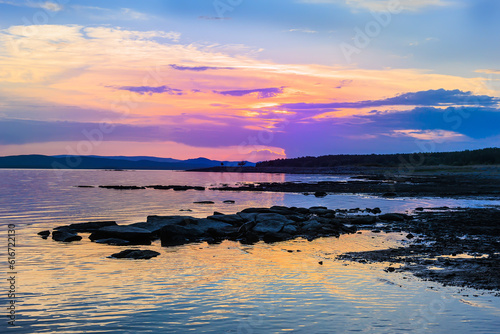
(135,235)
(229,201)
(86,227)
(409,236)
(320,194)
(44,234)
(65,236)
(136,254)
(204,202)
(389,194)
(85,186)
(391,269)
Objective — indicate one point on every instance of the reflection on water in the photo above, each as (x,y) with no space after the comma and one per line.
(226,288)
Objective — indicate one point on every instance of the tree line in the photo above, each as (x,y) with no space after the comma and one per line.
(486,156)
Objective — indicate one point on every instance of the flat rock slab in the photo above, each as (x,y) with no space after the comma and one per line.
(86,227)
(134,235)
(136,254)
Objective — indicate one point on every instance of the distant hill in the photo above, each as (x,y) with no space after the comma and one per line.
(487,156)
(115,162)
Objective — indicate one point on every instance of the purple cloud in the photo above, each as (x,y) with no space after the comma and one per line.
(198,68)
(150,89)
(438,97)
(262,93)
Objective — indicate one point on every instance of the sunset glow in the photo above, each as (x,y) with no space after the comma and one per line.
(254,82)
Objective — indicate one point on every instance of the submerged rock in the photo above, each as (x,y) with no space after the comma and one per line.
(136,254)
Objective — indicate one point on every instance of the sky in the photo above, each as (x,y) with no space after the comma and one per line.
(248,79)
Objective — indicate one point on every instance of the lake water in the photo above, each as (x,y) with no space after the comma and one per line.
(225,288)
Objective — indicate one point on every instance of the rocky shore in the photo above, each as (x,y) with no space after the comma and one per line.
(459,247)
(386,185)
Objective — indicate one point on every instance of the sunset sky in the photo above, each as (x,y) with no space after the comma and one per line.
(248,79)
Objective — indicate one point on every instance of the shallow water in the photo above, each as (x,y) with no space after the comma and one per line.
(226,288)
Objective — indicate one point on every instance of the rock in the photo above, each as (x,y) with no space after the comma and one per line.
(311,225)
(113,241)
(234,220)
(87,227)
(44,234)
(174,235)
(136,254)
(155,223)
(122,187)
(320,263)
(391,269)
(270,222)
(376,211)
(85,186)
(256,210)
(399,217)
(389,194)
(419,209)
(320,194)
(271,237)
(176,188)
(135,235)
(65,236)
(319,210)
(410,236)
(250,238)
(248,217)
(290,229)
(229,201)
(363,220)
(204,202)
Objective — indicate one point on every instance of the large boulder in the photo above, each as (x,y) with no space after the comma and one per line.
(136,254)
(135,235)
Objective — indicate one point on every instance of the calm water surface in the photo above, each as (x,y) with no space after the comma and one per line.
(226,288)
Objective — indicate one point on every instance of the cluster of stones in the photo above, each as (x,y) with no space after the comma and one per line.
(249,226)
